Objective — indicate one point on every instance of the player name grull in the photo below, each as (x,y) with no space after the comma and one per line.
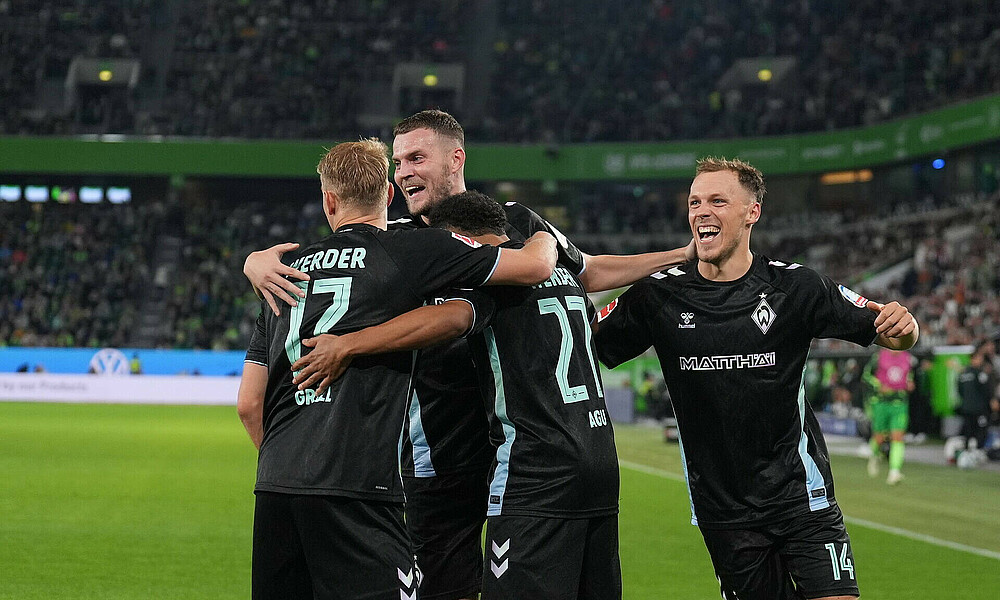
(733,361)
(334,258)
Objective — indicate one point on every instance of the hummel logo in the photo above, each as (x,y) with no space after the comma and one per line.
(499,551)
(407,580)
(687,317)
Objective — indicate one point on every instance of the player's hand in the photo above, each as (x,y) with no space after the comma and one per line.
(893,320)
(266,272)
(690,251)
(326,362)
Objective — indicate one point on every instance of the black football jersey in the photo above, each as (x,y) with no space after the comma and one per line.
(446,433)
(346,442)
(733,355)
(537,367)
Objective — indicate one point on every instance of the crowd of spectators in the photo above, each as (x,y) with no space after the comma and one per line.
(73,275)
(560,71)
(40,39)
(80,275)
(209,302)
(292,68)
(593,71)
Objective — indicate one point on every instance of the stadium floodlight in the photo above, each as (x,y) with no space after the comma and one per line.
(10,193)
(91,195)
(36,193)
(119,195)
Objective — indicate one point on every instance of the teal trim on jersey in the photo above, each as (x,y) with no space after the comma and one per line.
(814,479)
(422,466)
(687,479)
(499,484)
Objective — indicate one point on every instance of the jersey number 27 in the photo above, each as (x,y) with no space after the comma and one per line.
(552,306)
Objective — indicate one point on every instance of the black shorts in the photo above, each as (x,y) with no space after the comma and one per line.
(330,547)
(551,558)
(805,557)
(445,516)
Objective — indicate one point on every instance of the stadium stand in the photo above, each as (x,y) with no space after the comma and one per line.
(942,261)
(208,303)
(638,71)
(72,275)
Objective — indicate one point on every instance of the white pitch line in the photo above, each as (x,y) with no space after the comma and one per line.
(913,535)
(920,537)
(651,470)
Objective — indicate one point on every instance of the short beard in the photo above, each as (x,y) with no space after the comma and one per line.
(723,256)
(433,201)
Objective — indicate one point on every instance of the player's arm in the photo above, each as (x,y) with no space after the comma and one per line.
(250,400)
(895,326)
(603,272)
(267,274)
(529,265)
(425,326)
(610,271)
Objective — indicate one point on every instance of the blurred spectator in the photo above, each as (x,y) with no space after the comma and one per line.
(975,387)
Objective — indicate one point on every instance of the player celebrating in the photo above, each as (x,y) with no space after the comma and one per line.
(446,455)
(732,331)
(553,494)
(328,519)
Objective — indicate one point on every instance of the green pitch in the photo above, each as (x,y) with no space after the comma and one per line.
(156,502)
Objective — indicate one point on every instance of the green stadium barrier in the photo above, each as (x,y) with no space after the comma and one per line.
(933,132)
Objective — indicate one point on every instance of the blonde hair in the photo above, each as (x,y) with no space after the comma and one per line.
(358,172)
(750,177)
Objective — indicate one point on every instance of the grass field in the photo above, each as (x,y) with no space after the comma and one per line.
(156,502)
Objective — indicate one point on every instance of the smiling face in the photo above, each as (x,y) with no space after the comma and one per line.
(428,168)
(721,212)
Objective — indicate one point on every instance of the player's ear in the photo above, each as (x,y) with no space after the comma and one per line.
(389,195)
(753,215)
(330,201)
(457,159)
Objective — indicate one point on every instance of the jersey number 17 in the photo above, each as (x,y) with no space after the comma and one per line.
(340,290)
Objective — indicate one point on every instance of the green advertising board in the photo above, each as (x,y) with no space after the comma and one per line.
(937,131)
(949,362)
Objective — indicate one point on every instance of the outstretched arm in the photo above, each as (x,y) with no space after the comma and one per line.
(250,400)
(529,265)
(610,271)
(267,274)
(896,327)
(425,326)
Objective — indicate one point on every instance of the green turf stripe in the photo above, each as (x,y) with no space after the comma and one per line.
(913,535)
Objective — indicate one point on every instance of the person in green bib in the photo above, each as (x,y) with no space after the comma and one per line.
(890,376)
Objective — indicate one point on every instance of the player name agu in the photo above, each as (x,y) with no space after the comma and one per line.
(732,361)
(334,258)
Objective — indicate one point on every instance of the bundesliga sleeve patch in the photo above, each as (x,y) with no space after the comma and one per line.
(606,311)
(853,297)
(466,240)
